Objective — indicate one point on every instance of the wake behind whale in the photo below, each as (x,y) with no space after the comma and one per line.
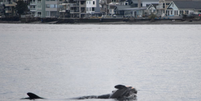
(122,93)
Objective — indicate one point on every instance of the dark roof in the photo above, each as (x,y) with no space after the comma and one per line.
(155,5)
(122,7)
(188,4)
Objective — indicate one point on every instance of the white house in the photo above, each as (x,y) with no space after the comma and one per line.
(92,6)
(144,3)
(45,8)
(152,8)
(177,8)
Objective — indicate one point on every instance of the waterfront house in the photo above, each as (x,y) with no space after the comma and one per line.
(136,8)
(105,6)
(177,8)
(7,8)
(151,9)
(128,11)
(73,9)
(143,3)
(93,8)
(44,8)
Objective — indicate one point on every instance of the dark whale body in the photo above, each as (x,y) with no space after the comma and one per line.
(32,96)
(122,93)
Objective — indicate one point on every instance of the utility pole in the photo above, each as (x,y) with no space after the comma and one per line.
(165,6)
(139,3)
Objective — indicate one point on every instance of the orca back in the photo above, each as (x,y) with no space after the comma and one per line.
(33,96)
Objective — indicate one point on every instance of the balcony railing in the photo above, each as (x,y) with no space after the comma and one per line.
(10,4)
(32,8)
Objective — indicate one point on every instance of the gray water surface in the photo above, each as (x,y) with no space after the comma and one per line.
(58,62)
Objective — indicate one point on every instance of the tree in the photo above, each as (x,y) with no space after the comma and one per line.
(152,17)
(21,7)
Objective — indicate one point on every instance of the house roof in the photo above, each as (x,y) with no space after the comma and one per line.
(154,5)
(121,7)
(188,4)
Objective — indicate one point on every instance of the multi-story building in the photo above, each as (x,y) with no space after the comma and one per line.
(45,8)
(92,7)
(105,6)
(73,9)
(8,7)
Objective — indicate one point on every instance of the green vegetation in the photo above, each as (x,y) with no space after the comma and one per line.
(152,16)
(21,7)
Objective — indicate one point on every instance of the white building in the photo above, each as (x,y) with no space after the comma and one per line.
(92,6)
(45,8)
(177,8)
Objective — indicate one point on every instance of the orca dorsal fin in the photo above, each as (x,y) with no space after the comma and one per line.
(33,96)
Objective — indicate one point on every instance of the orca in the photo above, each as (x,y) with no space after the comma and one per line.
(32,96)
(122,93)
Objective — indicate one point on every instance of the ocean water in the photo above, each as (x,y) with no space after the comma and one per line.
(58,62)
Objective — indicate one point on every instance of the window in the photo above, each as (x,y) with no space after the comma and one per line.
(53,13)
(39,13)
(187,12)
(175,12)
(51,5)
(93,2)
(167,12)
(181,12)
(83,2)
(93,9)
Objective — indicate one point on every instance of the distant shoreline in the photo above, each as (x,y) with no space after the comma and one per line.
(107,22)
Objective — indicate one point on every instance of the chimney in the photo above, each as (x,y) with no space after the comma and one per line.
(139,3)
